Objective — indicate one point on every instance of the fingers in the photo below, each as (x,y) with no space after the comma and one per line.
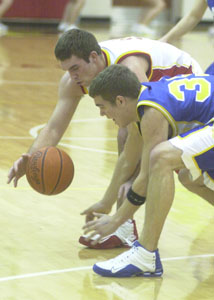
(83,212)
(15,182)
(98,215)
(96,240)
(10,175)
(26,155)
(89,225)
(89,218)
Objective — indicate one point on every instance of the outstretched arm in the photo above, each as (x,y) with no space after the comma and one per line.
(187,23)
(124,169)
(154,129)
(69,97)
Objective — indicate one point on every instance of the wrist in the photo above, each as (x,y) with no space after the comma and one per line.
(118,218)
(105,203)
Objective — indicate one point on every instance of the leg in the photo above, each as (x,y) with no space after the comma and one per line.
(4,6)
(73,10)
(71,14)
(155,8)
(198,187)
(143,259)
(160,194)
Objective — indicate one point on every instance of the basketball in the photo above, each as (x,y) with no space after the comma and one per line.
(50,170)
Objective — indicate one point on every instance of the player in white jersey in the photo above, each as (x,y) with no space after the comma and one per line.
(82,58)
(159,64)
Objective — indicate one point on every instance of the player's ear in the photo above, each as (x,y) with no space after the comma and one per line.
(93,55)
(120,101)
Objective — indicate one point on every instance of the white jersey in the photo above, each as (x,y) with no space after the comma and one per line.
(164,59)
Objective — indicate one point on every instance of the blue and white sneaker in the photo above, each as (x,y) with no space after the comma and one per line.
(135,262)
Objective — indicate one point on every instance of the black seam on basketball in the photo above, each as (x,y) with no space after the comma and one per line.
(43,162)
(70,180)
(60,172)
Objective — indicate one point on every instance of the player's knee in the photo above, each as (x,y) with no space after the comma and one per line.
(159,158)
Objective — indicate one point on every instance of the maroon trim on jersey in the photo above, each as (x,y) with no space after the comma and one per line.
(148,73)
(106,60)
(85,92)
(174,71)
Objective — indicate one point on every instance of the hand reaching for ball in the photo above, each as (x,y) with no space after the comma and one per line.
(18,169)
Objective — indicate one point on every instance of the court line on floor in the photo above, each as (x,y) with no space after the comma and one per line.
(64,138)
(53,272)
(40,83)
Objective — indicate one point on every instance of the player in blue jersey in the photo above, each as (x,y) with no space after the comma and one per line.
(188,22)
(163,110)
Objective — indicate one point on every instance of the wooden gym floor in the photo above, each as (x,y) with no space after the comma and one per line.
(40,257)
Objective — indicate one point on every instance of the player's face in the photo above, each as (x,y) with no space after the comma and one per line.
(80,71)
(118,112)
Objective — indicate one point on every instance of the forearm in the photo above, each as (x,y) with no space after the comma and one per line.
(125,212)
(187,23)
(184,26)
(123,172)
(45,138)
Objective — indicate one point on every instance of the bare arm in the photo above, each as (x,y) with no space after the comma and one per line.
(154,129)
(124,169)
(187,23)
(137,64)
(69,97)
(126,164)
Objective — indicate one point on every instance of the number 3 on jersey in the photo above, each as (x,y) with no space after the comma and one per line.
(201,86)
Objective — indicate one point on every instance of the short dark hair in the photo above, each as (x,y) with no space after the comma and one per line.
(116,80)
(76,42)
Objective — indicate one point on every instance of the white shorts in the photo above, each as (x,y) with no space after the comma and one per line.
(198,152)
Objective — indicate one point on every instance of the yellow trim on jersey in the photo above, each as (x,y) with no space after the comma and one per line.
(143,88)
(134,52)
(166,114)
(85,89)
(186,136)
(107,56)
(210,178)
(194,159)
(130,52)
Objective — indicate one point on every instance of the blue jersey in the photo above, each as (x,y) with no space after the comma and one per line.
(210,4)
(186,101)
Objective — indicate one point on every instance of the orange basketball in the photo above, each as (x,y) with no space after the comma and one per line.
(50,170)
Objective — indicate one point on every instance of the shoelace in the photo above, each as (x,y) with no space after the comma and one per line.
(124,256)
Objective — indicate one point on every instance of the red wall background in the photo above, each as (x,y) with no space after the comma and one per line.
(47,9)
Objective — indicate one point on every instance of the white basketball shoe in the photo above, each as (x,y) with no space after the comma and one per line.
(135,262)
(124,236)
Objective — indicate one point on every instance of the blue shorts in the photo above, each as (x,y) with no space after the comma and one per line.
(198,152)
